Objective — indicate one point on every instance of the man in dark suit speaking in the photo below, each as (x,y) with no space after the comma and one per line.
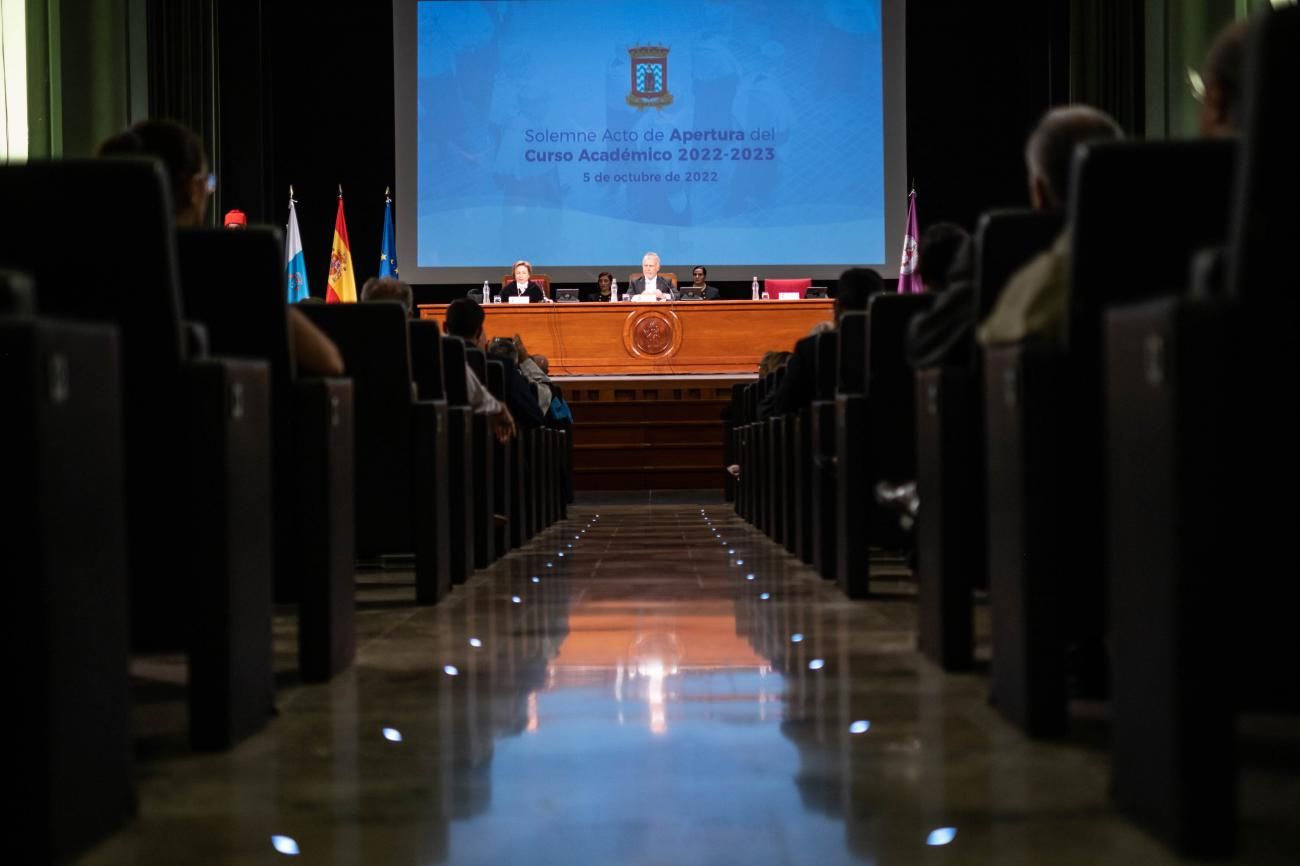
(650,286)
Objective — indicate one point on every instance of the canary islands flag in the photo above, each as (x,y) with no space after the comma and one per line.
(342,287)
(295,266)
(388,245)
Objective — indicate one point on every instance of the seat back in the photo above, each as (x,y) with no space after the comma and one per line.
(232,282)
(888,317)
(373,339)
(426,359)
(889,386)
(508,284)
(476,360)
(123,269)
(453,371)
(827,371)
(851,370)
(1133,233)
(774,288)
(1266,222)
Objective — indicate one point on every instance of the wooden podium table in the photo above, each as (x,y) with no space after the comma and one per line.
(666,337)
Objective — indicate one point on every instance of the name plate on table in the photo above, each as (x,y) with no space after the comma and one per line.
(518,299)
(788,296)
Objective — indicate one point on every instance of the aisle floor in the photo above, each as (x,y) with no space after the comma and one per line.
(639,685)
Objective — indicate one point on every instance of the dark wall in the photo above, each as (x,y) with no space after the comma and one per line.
(307,98)
(979,75)
(331,123)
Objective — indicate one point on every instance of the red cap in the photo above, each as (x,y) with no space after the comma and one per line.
(236,218)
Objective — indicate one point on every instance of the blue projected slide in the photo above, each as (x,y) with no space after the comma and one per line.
(573,132)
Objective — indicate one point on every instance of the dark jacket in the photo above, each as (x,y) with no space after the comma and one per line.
(944,335)
(521,396)
(531,289)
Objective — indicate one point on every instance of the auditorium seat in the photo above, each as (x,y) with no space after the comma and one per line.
(460,454)
(1197,381)
(426,369)
(502,459)
(774,288)
(241,304)
(1036,601)
(197,437)
(63,537)
(483,484)
(396,478)
(951,527)
(875,431)
(822,429)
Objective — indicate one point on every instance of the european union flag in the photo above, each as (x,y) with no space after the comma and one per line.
(388,246)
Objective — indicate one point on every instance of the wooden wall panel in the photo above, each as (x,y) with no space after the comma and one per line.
(647,433)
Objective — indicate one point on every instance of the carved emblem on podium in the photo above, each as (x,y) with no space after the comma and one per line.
(652,334)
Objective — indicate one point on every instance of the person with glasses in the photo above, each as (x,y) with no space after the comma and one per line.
(185,162)
(181,153)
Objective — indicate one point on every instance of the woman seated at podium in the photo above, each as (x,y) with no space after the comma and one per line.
(523,285)
(699,286)
(601,292)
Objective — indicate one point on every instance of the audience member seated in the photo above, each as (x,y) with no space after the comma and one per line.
(515,352)
(389,289)
(944,335)
(1033,302)
(939,247)
(523,286)
(650,286)
(770,363)
(856,286)
(186,165)
(698,284)
(1221,79)
(465,321)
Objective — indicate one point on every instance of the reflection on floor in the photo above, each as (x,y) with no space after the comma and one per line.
(642,685)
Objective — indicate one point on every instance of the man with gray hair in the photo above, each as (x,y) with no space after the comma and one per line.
(650,286)
(1034,300)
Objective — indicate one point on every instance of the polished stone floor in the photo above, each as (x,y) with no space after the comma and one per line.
(640,685)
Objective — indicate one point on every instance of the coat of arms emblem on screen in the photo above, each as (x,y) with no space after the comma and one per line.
(649,77)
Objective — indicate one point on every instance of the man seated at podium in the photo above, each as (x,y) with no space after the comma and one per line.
(523,286)
(650,286)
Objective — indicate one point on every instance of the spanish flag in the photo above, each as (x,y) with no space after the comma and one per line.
(342,284)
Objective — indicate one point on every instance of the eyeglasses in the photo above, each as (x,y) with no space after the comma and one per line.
(1195,84)
(211,183)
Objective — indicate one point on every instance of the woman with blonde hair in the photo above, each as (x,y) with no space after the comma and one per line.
(524,286)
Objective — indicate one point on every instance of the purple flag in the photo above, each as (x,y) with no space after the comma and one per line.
(909,277)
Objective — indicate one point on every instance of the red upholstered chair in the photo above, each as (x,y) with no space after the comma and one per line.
(774,288)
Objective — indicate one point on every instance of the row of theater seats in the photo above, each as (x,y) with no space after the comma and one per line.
(1126,496)
(169,477)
